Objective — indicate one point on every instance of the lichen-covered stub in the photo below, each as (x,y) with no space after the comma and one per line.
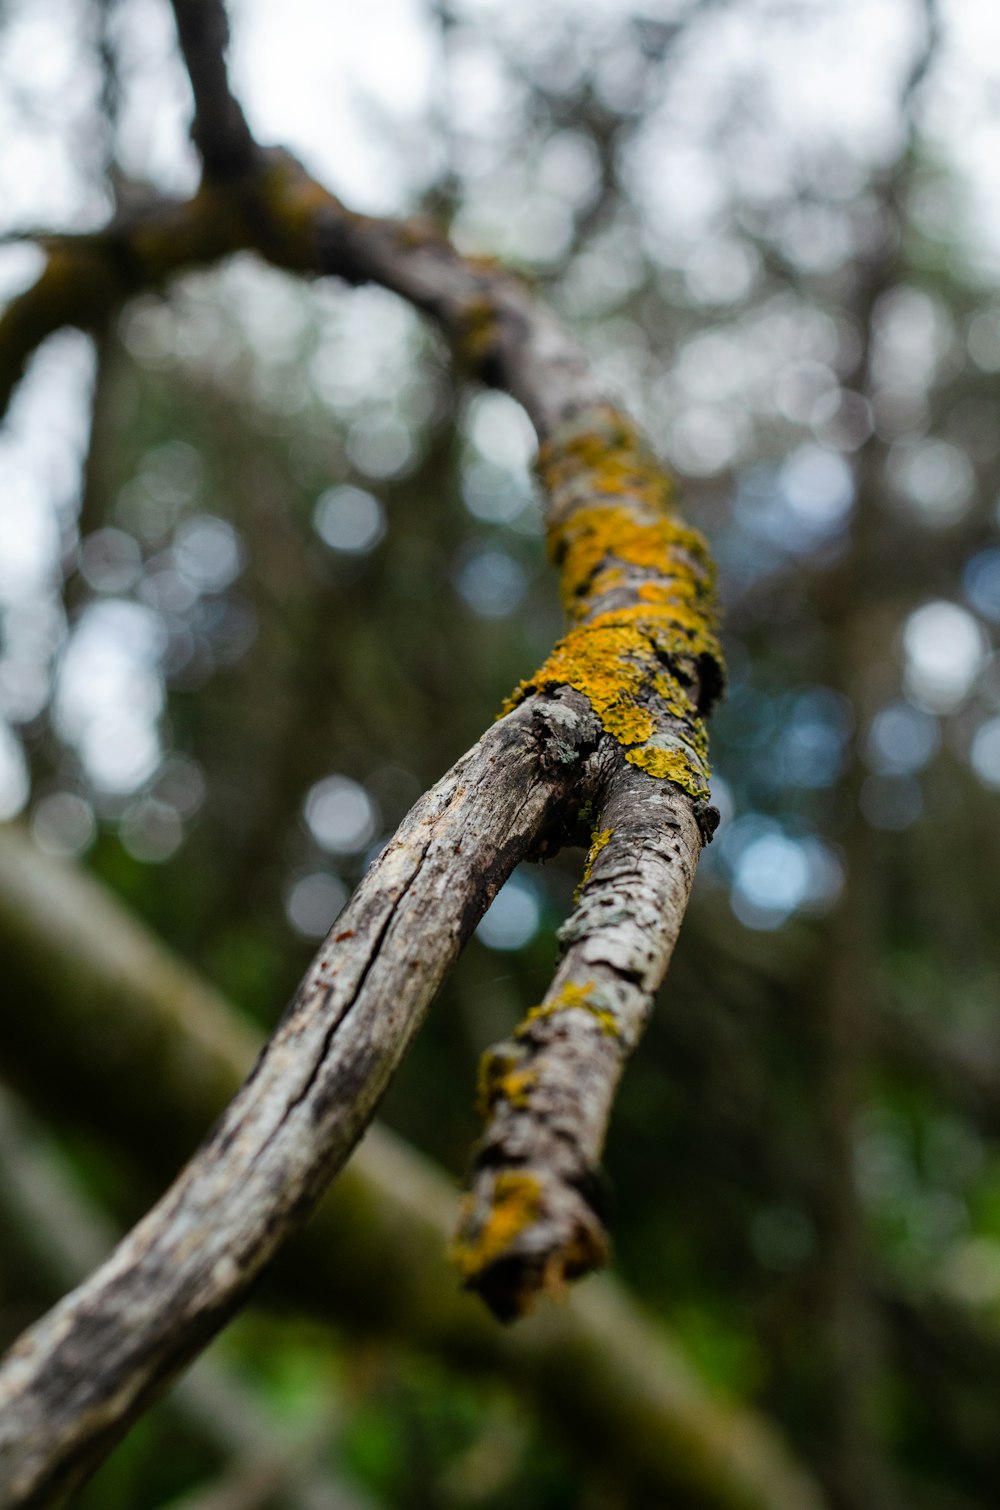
(484,1236)
(639,588)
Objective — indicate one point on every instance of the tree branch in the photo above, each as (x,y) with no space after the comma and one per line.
(219,129)
(531,1219)
(69,1235)
(89,1367)
(373,1256)
(639,587)
(87,277)
(618,708)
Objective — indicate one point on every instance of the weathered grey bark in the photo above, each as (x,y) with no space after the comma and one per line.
(373,1256)
(627,688)
(68,1236)
(530,1219)
(71,1383)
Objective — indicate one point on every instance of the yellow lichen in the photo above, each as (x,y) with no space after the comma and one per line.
(617,662)
(516,1087)
(598,842)
(583,998)
(500,1078)
(494,1065)
(648,661)
(483,1237)
(593,545)
(670,765)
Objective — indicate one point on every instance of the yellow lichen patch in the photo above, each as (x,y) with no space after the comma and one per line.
(607,579)
(604,538)
(494,1066)
(571,996)
(617,662)
(483,1237)
(608,664)
(598,842)
(516,1087)
(671,765)
(651,665)
(606,442)
(500,1078)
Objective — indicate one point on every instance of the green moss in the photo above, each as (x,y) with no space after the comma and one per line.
(585,998)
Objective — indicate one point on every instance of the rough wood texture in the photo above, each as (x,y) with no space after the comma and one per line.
(605,1375)
(615,716)
(63,1234)
(531,1220)
(72,1382)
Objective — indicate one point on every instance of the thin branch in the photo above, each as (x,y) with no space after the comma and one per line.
(219,129)
(372,1258)
(93,1364)
(639,587)
(531,1219)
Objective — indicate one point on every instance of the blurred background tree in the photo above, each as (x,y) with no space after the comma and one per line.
(266,568)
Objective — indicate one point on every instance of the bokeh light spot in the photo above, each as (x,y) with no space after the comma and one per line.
(341,816)
(513,918)
(349,519)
